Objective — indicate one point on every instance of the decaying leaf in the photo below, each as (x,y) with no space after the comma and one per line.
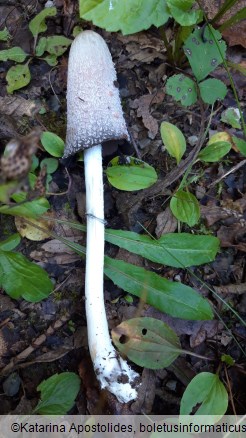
(143,106)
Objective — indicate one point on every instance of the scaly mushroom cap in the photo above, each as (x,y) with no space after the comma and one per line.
(94,112)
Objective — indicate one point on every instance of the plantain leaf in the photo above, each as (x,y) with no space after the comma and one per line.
(185,207)
(205,389)
(240,144)
(173,298)
(148,342)
(178,250)
(10,243)
(214,151)
(30,209)
(52,143)
(173,140)
(135,175)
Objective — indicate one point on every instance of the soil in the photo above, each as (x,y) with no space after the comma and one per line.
(41,339)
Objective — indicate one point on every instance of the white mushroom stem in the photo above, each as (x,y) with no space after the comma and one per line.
(112,371)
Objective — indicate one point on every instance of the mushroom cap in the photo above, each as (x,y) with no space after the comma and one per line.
(94,112)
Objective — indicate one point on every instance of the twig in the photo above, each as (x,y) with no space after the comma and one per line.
(233,169)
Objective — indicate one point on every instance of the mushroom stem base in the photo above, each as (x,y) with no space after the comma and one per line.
(112,371)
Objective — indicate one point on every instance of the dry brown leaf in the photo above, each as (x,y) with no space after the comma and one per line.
(17,106)
(143,106)
(166,223)
(232,236)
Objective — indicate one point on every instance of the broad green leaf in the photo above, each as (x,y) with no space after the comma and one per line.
(173,140)
(185,207)
(10,243)
(203,53)
(27,209)
(58,394)
(183,89)
(231,116)
(37,24)
(21,278)
(13,54)
(52,143)
(214,151)
(41,46)
(57,44)
(18,77)
(205,389)
(148,342)
(173,298)
(178,250)
(182,13)
(6,190)
(212,90)
(87,5)
(240,144)
(127,16)
(135,175)
(4,34)
(50,163)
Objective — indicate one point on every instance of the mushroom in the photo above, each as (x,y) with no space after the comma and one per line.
(94,116)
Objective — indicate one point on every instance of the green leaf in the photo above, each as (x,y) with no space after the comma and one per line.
(183,89)
(214,152)
(4,34)
(173,298)
(129,17)
(41,46)
(173,140)
(227,359)
(30,209)
(207,389)
(18,77)
(51,60)
(240,144)
(50,163)
(13,54)
(87,5)
(185,207)
(57,44)
(212,90)
(135,175)
(52,143)
(21,278)
(148,342)
(37,24)
(182,13)
(58,394)
(231,116)
(203,53)
(10,243)
(178,250)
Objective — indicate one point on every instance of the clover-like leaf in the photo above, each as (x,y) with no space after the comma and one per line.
(203,52)
(18,77)
(127,16)
(212,90)
(183,89)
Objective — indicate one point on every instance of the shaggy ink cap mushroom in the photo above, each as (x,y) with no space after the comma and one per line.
(94,112)
(94,116)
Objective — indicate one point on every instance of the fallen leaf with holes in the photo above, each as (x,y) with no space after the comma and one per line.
(30,231)
(166,223)
(143,106)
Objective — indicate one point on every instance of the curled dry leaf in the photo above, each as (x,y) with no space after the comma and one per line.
(166,223)
(143,106)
